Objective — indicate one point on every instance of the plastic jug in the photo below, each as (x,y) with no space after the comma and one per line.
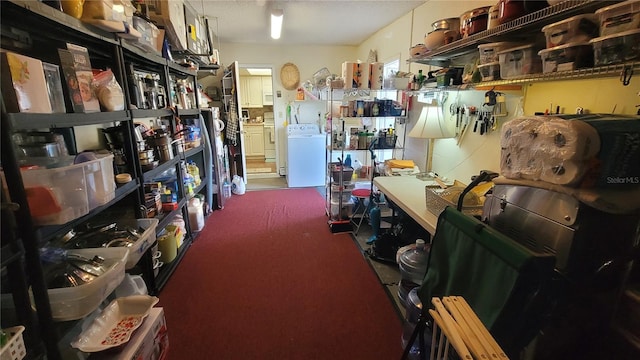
(168,248)
(131,285)
(196,214)
(413,263)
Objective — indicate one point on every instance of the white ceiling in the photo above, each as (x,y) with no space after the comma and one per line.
(306,22)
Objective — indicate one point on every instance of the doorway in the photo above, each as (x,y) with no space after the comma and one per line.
(259,132)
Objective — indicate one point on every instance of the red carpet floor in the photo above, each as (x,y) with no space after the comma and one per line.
(267,280)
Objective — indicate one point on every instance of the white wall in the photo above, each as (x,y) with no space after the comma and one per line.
(454,161)
(308,59)
(450,160)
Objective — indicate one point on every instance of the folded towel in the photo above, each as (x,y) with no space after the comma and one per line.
(401,164)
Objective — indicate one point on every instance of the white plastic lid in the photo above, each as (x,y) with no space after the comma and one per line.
(591,17)
(490,64)
(620,34)
(516,48)
(482,46)
(564,46)
(630,3)
(420,243)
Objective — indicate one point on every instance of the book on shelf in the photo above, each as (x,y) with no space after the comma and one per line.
(84,75)
(74,98)
(24,87)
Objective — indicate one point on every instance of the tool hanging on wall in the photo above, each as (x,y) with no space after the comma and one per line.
(490,98)
(485,122)
(465,119)
(500,109)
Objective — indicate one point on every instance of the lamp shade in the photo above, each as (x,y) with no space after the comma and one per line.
(430,125)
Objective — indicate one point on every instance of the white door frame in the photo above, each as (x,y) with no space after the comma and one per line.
(236,76)
(259,66)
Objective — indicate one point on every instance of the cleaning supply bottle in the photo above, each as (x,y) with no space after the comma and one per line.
(347,160)
(374,219)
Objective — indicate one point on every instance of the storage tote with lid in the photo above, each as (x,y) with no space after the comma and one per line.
(620,17)
(100,180)
(518,61)
(578,28)
(571,56)
(490,71)
(58,195)
(489,52)
(616,48)
(72,303)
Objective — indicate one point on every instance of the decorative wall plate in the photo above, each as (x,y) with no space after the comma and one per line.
(290,76)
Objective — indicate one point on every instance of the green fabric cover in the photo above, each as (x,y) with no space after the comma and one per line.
(497,276)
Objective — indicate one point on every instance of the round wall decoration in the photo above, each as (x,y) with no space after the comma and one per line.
(290,76)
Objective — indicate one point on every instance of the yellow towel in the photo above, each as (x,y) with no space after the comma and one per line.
(400,164)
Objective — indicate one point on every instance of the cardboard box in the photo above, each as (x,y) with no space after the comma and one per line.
(73,98)
(149,342)
(169,14)
(84,75)
(24,87)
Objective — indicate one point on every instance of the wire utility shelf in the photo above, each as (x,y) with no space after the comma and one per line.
(520,27)
(514,83)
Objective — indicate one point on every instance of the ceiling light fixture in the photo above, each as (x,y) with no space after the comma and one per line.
(276,23)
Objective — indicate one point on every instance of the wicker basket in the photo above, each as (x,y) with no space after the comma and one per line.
(436,202)
(14,349)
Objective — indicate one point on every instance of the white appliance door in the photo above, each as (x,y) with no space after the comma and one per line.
(306,160)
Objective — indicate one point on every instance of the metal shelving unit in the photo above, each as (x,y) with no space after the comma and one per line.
(34,29)
(376,122)
(520,28)
(458,52)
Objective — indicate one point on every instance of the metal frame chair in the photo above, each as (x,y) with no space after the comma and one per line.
(506,284)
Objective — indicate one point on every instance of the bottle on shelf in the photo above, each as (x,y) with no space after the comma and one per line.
(347,160)
(375,110)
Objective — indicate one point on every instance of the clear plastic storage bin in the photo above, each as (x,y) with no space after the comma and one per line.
(59,195)
(617,48)
(72,303)
(345,212)
(149,32)
(579,28)
(143,243)
(567,57)
(489,52)
(619,18)
(346,192)
(56,196)
(101,185)
(490,71)
(518,61)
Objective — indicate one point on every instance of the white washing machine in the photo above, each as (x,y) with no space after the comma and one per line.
(306,156)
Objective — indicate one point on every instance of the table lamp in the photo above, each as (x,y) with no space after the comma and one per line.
(430,126)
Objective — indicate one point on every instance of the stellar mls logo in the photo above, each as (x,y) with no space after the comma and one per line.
(623,180)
